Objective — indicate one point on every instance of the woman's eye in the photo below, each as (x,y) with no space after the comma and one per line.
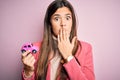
(56,18)
(68,18)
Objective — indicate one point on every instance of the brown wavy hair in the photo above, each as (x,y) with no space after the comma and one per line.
(48,42)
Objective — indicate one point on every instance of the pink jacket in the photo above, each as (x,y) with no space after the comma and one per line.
(79,68)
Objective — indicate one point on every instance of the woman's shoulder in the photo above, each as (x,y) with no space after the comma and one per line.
(37,43)
(85,45)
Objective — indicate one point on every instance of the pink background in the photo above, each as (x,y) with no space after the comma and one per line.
(21,21)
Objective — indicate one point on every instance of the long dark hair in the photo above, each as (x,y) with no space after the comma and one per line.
(48,42)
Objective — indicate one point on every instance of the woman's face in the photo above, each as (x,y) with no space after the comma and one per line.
(61,19)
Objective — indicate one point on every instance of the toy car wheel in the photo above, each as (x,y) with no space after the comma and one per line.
(34,51)
(23,50)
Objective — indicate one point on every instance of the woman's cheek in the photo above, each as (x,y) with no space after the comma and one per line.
(56,32)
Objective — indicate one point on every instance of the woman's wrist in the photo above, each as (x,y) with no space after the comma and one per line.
(69,58)
(28,74)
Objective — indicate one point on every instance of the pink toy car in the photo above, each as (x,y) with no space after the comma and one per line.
(29,46)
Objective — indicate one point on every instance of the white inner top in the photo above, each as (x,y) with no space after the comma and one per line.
(54,66)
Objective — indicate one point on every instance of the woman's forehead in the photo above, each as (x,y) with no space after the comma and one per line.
(62,11)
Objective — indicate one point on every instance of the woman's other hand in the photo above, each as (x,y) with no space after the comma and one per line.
(28,61)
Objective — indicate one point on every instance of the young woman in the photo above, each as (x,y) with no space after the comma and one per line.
(61,56)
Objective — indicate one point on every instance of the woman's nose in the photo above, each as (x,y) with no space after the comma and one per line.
(63,23)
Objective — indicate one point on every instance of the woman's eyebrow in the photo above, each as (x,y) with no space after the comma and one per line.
(68,14)
(56,15)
